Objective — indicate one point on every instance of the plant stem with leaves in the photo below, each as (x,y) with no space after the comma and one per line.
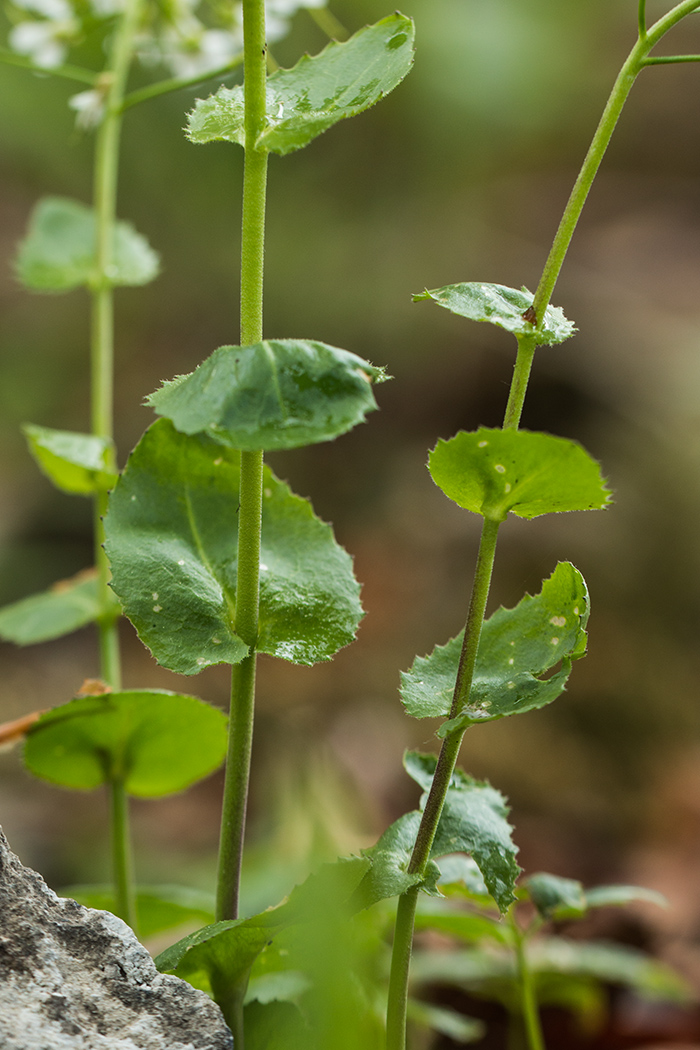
(250,511)
(102,387)
(527,344)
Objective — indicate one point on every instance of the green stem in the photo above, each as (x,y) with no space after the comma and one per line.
(122,864)
(528,999)
(164,87)
(102,321)
(527,344)
(668,60)
(101,396)
(250,511)
(66,72)
(635,62)
(447,759)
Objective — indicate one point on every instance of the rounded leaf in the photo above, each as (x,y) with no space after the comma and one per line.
(172,541)
(491,472)
(281,393)
(58,253)
(502,306)
(154,742)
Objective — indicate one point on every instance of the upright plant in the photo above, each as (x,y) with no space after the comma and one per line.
(215,560)
(71,245)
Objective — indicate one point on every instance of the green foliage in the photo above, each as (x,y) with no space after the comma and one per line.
(456,1026)
(219,955)
(558,965)
(473,820)
(76,463)
(435,913)
(517,648)
(171,539)
(491,472)
(502,306)
(272,395)
(58,253)
(64,608)
(153,742)
(342,81)
(561,899)
(556,898)
(158,908)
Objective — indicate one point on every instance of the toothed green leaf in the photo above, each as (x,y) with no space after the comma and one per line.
(172,542)
(502,306)
(342,81)
(517,649)
(492,472)
(282,393)
(473,820)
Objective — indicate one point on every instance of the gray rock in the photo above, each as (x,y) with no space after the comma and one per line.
(72,978)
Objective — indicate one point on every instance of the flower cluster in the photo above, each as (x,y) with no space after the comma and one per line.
(187,37)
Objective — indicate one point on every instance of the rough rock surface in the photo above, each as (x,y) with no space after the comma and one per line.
(72,978)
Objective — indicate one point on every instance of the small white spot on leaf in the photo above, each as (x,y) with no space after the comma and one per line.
(482,444)
(267,493)
(157,608)
(155,596)
(218,462)
(181,561)
(558,621)
(575,610)
(500,468)
(201,661)
(507,487)
(511,661)
(216,641)
(554,641)
(263,567)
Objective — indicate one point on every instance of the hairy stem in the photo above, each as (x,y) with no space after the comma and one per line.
(527,344)
(122,863)
(398,988)
(250,512)
(101,398)
(403,933)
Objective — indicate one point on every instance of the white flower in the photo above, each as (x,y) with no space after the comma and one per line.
(89,108)
(43,42)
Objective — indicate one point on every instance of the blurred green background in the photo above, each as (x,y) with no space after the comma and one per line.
(461,174)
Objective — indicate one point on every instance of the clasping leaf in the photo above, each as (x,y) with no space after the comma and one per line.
(491,472)
(517,648)
(342,81)
(153,742)
(58,253)
(502,306)
(473,821)
(272,395)
(171,535)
